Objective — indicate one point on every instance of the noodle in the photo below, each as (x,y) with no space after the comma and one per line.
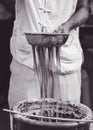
(46,71)
(45,68)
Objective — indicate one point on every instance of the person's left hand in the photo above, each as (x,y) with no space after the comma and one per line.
(63,28)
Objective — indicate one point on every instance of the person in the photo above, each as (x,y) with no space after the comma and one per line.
(56,16)
(6,26)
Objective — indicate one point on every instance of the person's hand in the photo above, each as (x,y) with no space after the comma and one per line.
(63,28)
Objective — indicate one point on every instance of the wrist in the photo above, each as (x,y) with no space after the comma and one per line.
(65,27)
(68,26)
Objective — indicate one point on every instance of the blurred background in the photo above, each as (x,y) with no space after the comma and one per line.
(86,38)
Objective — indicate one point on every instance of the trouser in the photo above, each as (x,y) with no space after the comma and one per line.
(24,85)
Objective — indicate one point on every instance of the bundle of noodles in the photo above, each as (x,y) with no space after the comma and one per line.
(45,69)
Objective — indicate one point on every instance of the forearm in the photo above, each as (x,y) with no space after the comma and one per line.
(78,18)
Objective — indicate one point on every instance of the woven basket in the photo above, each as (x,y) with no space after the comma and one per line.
(48,113)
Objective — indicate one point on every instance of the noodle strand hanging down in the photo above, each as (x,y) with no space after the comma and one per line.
(45,69)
